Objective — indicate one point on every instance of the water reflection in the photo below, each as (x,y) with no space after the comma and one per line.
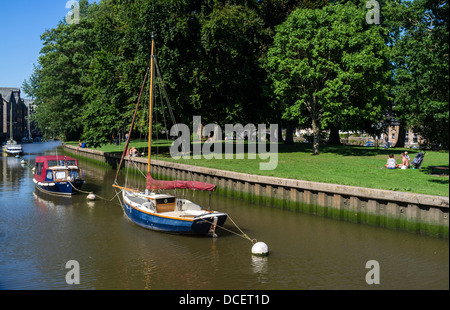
(260,267)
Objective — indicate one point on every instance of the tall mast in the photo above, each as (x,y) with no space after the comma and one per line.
(150,108)
(11,137)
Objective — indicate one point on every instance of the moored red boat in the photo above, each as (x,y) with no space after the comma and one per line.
(58,175)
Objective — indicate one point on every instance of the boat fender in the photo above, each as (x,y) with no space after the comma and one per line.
(260,249)
(91,196)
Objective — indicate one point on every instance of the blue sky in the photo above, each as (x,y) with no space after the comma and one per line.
(21,24)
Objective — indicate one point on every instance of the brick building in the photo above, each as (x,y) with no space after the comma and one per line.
(12,106)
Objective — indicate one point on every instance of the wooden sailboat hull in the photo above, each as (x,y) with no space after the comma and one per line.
(198,225)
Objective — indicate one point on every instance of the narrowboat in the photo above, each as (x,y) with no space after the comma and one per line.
(58,175)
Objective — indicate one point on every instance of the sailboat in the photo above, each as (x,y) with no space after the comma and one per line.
(161,211)
(12,147)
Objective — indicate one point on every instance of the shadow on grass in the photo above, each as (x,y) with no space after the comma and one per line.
(441,181)
(297,147)
(306,148)
(343,150)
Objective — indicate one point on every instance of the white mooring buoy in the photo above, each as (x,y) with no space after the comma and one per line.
(91,196)
(260,249)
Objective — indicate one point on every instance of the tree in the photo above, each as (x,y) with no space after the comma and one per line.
(421,74)
(232,80)
(334,64)
(207,52)
(59,80)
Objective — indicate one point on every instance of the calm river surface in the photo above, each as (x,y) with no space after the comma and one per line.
(39,234)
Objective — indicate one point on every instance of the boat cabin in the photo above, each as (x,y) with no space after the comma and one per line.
(165,203)
(56,169)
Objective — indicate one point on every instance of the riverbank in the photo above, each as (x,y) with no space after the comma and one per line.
(418,213)
(343,165)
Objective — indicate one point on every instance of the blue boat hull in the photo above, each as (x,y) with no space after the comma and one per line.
(60,188)
(172,225)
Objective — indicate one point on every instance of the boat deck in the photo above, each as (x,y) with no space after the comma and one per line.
(144,204)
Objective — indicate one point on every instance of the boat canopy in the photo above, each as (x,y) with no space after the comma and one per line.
(153,184)
(45,162)
(55,160)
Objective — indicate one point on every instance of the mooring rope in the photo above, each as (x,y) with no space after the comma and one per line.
(79,190)
(244,235)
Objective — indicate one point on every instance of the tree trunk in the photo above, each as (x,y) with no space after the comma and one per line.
(401,136)
(280,131)
(289,133)
(334,138)
(316,134)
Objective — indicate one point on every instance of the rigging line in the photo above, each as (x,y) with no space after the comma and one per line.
(132,124)
(156,127)
(170,108)
(163,111)
(137,168)
(165,95)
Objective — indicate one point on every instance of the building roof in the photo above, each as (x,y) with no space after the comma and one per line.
(6,92)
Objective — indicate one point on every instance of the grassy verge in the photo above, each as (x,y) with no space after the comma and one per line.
(345,165)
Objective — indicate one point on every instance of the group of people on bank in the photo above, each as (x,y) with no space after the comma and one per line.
(392,163)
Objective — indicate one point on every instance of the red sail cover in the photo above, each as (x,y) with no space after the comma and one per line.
(153,184)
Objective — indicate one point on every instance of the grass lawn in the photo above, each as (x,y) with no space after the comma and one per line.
(346,165)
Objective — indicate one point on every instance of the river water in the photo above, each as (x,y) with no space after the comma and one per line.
(40,234)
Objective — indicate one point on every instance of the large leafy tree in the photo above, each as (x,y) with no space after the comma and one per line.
(228,81)
(420,54)
(331,62)
(60,79)
(207,51)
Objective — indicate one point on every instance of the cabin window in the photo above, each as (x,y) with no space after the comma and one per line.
(49,176)
(52,163)
(60,175)
(38,168)
(71,162)
(74,174)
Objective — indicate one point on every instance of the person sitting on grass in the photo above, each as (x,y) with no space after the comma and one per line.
(391,162)
(405,162)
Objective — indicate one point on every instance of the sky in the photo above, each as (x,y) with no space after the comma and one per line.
(22,22)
